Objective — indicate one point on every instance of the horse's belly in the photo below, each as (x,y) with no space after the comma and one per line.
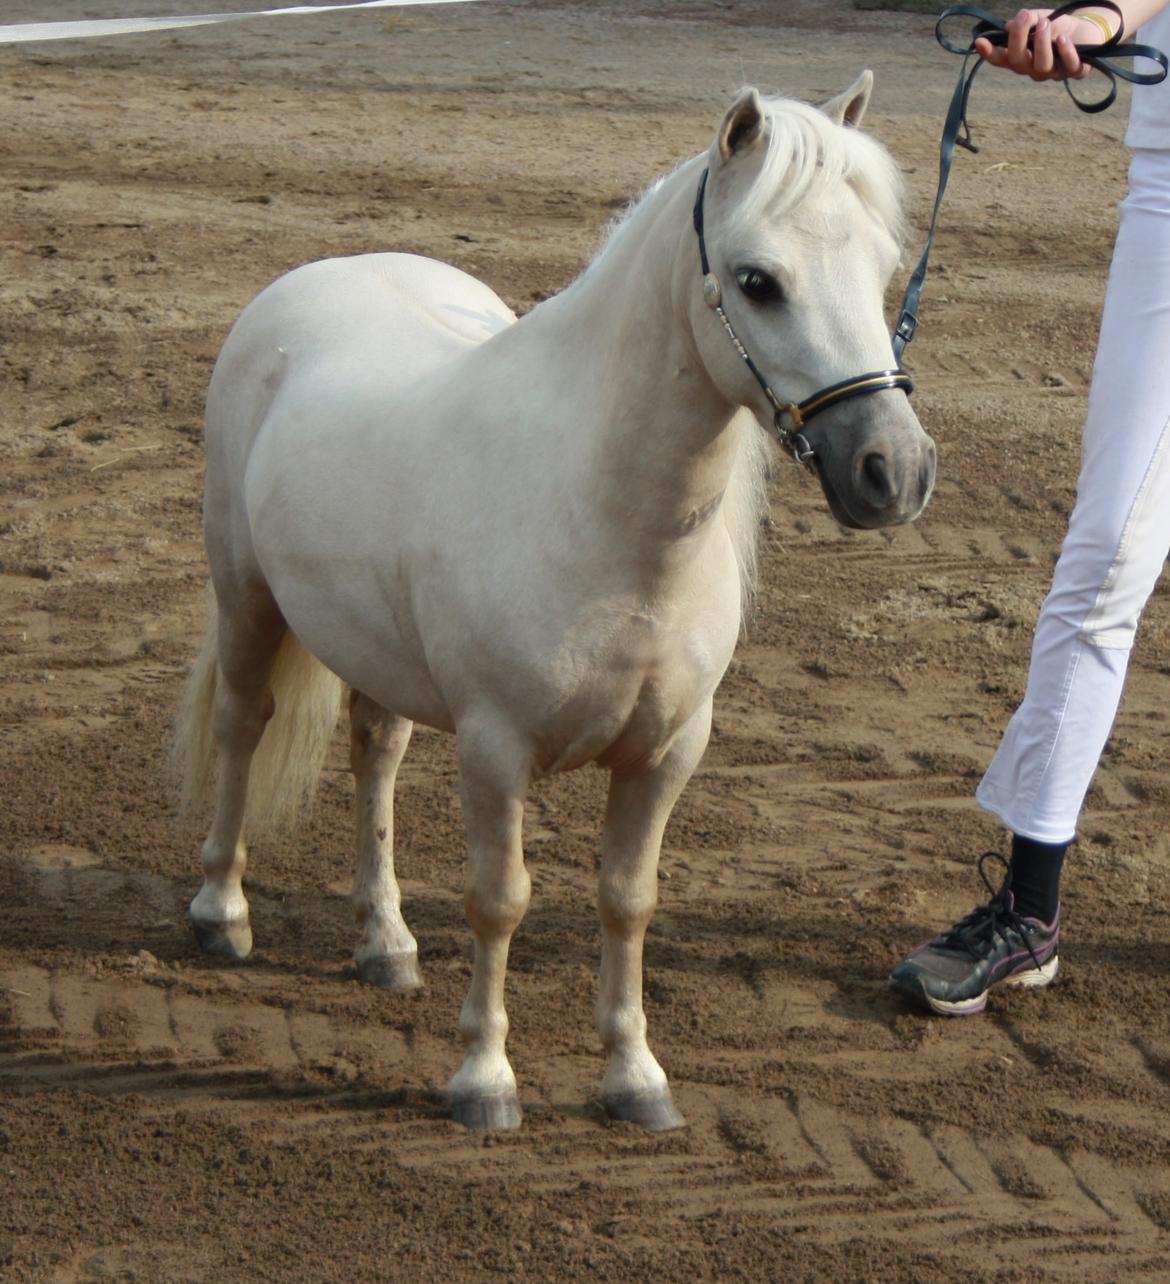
(380,662)
(334,561)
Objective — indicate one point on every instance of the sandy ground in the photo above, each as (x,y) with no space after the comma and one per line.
(167,1118)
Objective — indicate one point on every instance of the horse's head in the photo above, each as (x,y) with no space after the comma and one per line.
(799,221)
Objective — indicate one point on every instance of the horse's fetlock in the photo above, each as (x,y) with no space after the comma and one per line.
(482,1030)
(622,1027)
(381,935)
(379,913)
(221,862)
(634,1072)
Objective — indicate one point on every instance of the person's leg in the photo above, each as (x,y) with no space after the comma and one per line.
(1034,877)
(1117,542)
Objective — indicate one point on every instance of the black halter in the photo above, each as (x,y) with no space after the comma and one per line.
(798,413)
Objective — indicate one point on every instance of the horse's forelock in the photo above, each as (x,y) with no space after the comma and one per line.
(806,152)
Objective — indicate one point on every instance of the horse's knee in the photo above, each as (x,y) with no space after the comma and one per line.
(626,907)
(494,915)
(495,903)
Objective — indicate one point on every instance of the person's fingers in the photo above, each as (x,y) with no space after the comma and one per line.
(1042,59)
(1019,56)
(990,53)
(1070,60)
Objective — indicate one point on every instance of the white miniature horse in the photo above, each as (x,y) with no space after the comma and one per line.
(536,534)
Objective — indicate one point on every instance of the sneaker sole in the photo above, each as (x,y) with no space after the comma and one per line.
(1034,978)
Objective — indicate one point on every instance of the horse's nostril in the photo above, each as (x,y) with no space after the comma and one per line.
(876,471)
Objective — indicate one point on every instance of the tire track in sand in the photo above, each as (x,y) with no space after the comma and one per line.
(800,1161)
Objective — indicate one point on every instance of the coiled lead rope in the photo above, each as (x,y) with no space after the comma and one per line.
(957,132)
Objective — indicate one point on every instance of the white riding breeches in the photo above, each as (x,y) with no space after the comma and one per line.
(1117,542)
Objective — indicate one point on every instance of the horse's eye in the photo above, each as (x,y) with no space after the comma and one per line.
(759,286)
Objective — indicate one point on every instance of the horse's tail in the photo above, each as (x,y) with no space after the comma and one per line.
(292,751)
(295,744)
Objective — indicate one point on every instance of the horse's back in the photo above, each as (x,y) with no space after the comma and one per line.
(386,297)
(402,315)
(402,304)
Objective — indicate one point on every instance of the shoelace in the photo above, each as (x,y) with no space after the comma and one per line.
(992,919)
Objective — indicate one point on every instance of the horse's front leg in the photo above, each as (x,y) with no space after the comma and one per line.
(640,803)
(494,778)
(386,953)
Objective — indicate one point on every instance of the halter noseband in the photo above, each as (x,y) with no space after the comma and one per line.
(797,412)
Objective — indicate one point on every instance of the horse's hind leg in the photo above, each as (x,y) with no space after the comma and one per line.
(640,803)
(386,953)
(250,635)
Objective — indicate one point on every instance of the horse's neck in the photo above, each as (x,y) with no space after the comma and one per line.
(663,435)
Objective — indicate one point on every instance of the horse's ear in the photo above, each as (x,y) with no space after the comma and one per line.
(848,108)
(743,126)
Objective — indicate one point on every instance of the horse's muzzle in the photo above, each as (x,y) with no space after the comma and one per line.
(876,466)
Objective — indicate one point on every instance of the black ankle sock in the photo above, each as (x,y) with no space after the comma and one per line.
(1035,877)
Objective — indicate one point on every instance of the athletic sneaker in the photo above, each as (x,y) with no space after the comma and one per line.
(993,945)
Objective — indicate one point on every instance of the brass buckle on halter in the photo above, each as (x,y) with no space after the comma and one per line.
(792,439)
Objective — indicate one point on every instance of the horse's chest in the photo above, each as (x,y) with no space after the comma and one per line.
(630,702)
(662,704)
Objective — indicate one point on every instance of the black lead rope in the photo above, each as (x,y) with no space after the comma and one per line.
(956,131)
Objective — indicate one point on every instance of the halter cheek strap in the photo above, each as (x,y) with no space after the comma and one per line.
(798,413)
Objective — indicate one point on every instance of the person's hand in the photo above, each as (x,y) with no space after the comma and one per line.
(1052,55)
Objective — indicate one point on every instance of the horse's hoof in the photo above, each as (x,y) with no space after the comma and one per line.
(487,1114)
(654,1113)
(391,971)
(228,940)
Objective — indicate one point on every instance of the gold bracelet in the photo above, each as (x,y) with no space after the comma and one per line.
(1100,22)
